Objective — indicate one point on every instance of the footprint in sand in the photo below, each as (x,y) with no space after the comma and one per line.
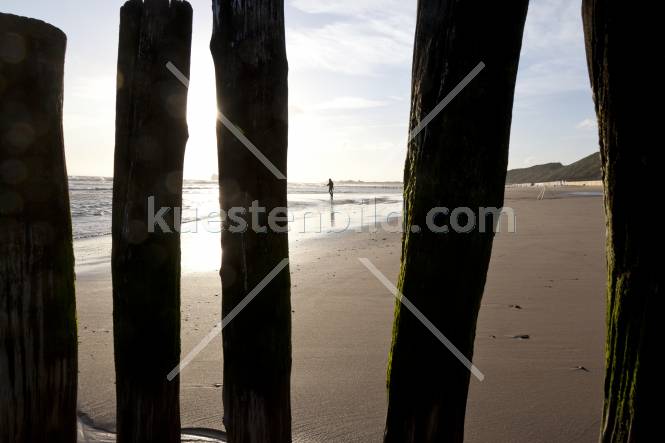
(521,337)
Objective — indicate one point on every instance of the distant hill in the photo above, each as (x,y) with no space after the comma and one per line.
(582,170)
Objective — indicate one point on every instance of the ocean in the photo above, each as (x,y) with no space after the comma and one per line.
(356,206)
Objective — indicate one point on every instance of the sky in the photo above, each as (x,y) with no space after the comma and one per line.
(349,86)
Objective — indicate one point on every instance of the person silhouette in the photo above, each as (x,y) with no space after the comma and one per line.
(331,186)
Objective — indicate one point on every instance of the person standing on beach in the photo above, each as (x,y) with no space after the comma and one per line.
(331,186)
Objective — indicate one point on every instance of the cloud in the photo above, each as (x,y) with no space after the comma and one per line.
(553,25)
(101,88)
(348,103)
(351,7)
(551,76)
(361,37)
(367,47)
(365,37)
(346,48)
(553,59)
(89,104)
(588,123)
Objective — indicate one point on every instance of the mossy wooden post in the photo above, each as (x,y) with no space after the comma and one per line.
(458,160)
(618,44)
(38,348)
(248,49)
(151,134)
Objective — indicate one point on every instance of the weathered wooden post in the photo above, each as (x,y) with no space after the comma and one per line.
(38,344)
(249,52)
(459,160)
(151,134)
(620,39)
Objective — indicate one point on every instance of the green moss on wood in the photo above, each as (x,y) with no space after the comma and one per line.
(458,160)
(631,173)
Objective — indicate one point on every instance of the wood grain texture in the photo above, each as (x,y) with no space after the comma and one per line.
(619,44)
(38,347)
(151,134)
(458,160)
(248,48)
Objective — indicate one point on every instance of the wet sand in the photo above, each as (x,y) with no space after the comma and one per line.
(545,281)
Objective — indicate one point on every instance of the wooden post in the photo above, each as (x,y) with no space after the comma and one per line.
(458,161)
(620,39)
(249,52)
(151,134)
(38,344)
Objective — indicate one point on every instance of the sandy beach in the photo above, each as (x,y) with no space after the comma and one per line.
(546,281)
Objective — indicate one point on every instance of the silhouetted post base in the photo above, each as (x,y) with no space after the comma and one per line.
(459,160)
(620,40)
(151,134)
(251,71)
(38,344)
